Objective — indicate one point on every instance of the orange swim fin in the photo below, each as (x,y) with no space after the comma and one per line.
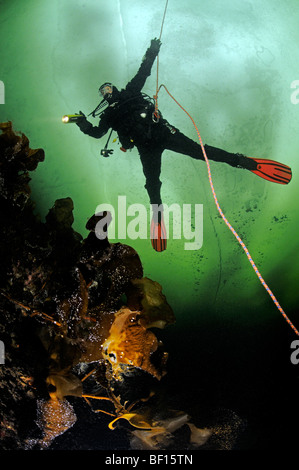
(158,234)
(272,171)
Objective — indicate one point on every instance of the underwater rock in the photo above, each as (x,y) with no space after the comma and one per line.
(60,217)
(108,279)
(67,305)
(54,417)
(17,159)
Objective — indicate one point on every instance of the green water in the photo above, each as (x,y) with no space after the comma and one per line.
(231,65)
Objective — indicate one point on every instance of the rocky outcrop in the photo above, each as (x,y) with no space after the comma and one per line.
(75,314)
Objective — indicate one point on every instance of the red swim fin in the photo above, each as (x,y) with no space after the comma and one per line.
(272,171)
(158,235)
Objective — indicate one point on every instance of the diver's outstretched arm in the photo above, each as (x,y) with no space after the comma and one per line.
(137,83)
(93,131)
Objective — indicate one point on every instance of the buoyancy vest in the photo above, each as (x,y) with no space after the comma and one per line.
(132,118)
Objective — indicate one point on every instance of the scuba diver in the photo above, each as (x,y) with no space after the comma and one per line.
(133,116)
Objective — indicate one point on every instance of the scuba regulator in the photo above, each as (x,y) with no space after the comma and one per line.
(105,152)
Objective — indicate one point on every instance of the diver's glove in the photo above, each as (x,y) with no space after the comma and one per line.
(155,46)
(82,122)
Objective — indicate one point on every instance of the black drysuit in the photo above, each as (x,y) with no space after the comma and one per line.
(131,116)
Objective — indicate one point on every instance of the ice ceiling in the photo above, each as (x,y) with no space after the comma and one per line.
(231,65)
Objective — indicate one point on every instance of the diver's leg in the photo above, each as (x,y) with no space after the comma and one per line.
(267,169)
(180,143)
(151,164)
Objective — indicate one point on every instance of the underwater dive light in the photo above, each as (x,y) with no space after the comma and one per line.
(68,118)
